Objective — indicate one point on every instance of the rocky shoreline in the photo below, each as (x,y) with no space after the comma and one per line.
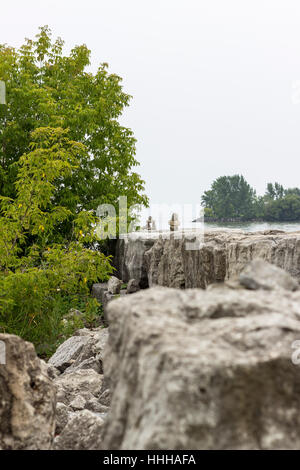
(234,220)
(163,258)
(214,367)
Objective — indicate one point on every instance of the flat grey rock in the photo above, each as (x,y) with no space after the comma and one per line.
(82,432)
(68,352)
(260,274)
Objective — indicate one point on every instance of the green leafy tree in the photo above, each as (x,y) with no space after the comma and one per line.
(230,197)
(38,277)
(285,209)
(46,88)
(281,204)
(295,191)
(274,192)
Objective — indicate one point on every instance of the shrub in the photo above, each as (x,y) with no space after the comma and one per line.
(40,280)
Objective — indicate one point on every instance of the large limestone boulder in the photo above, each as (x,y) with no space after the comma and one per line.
(195,369)
(27,398)
(167,259)
(129,258)
(280,249)
(91,353)
(164,263)
(82,351)
(207,264)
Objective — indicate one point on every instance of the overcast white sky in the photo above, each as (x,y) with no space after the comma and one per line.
(212,82)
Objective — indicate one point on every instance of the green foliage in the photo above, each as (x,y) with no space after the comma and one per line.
(208,213)
(281,204)
(46,88)
(285,209)
(295,191)
(275,191)
(38,272)
(62,154)
(230,197)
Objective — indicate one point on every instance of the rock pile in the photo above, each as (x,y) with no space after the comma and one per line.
(177,369)
(82,392)
(210,369)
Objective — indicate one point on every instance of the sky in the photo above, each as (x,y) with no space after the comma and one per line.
(215,84)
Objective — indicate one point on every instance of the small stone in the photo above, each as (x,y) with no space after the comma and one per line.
(150,224)
(98,290)
(114,285)
(174,223)
(73,314)
(132,286)
(94,363)
(52,371)
(94,405)
(78,403)
(84,332)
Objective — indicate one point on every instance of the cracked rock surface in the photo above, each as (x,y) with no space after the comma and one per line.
(27,398)
(168,260)
(196,369)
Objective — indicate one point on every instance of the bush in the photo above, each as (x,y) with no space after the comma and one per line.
(41,280)
(34,307)
(286,209)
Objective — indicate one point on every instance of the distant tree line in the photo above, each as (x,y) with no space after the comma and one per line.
(231,198)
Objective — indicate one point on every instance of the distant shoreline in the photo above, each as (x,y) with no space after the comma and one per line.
(239,221)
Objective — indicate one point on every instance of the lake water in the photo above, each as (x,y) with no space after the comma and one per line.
(257,226)
(162,214)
